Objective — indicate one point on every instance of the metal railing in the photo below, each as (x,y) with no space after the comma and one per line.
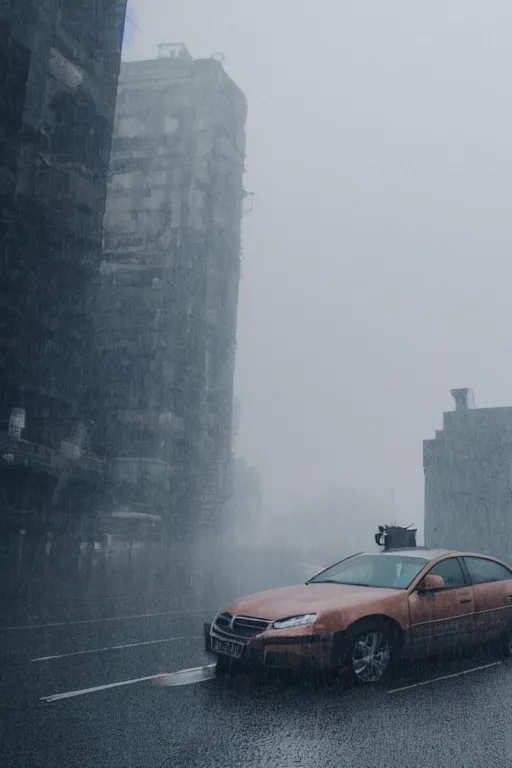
(16,451)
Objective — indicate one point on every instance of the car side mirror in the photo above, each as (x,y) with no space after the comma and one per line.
(431,583)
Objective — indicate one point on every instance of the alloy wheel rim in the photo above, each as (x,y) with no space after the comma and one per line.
(371,656)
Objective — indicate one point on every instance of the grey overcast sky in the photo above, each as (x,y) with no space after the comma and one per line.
(377,261)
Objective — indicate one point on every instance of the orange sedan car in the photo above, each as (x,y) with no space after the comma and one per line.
(362,613)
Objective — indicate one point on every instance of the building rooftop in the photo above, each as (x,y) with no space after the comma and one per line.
(174,60)
(482,424)
(174,51)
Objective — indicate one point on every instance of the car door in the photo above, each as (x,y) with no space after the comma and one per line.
(492,588)
(441,621)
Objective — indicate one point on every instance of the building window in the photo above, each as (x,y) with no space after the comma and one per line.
(133,95)
(165,218)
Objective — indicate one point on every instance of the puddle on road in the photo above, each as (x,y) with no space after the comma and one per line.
(186,676)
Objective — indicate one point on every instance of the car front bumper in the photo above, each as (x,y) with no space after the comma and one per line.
(297,651)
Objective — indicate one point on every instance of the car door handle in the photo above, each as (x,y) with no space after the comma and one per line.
(465,600)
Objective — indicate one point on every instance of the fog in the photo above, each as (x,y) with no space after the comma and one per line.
(376,263)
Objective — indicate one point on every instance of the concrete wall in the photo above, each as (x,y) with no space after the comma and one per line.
(468,482)
(59,64)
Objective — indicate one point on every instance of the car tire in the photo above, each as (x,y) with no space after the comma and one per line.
(368,652)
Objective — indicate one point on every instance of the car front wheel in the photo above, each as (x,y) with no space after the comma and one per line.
(369,652)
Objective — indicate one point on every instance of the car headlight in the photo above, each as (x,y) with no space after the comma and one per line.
(295,621)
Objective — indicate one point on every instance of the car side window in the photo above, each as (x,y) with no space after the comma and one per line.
(451,572)
(486,571)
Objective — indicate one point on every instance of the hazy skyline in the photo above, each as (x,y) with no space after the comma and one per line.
(375,261)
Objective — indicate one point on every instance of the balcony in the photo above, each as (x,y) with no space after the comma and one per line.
(18,453)
(134,470)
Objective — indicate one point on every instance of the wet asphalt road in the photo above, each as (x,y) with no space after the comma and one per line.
(462,721)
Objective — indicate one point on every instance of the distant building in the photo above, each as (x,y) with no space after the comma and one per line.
(168,293)
(59,63)
(468,479)
(247,502)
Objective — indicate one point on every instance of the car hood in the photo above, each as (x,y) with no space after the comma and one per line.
(309,598)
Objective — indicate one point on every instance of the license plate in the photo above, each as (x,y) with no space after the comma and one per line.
(227,648)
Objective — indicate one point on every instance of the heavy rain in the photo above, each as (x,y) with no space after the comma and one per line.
(256,401)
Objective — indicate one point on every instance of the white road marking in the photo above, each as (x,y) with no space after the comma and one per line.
(103,596)
(110,618)
(164,677)
(186,676)
(115,648)
(445,677)
(84,691)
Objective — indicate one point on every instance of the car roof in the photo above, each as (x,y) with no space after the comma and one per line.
(432,554)
(421,552)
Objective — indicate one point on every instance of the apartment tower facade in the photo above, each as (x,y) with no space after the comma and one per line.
(168,290)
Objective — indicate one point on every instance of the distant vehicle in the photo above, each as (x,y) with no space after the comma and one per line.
(362,613)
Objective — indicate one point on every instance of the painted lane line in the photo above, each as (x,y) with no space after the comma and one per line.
(164,677)
(103,596)
(114,648)
(84,691)
(110,618)
(445,677)
(186,676)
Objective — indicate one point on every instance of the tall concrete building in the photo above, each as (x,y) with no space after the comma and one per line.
(169,288)
(468,479)
(59,62)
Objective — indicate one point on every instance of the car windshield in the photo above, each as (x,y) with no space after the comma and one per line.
(385,571)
